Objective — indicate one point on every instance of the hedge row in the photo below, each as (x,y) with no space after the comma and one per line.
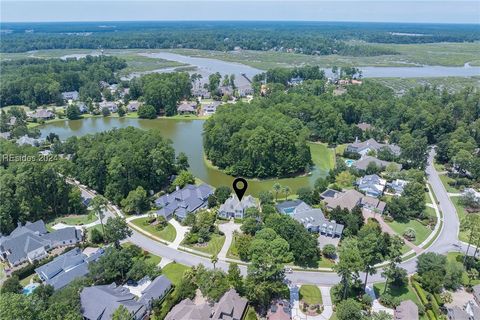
(431,315)
(421,293)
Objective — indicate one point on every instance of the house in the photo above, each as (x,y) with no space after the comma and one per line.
(280,310)
(474,193)
(100,302)
(245,90)
(230,307)
(110,105)
(295,81)
(187,107)
(66,267)
(397,186)
(201,93)
(312,219)
(70,96)
(24,140)
(406,310)
(183,201)
(5,135)
(42,114)
(363,163)
(225,90)
(234,208)
(211,108)
(349,199)
(372,185)
(133,106)
(82,107)
(364,147)
(476,293)
(32,242)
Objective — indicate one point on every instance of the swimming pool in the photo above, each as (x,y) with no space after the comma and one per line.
(349,162)
(289,210)
(29,288)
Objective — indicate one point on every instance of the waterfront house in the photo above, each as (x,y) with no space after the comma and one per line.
(69,96)
(363,163)
(234,208)
(183,201)
(362,148)
(187,107)
(349,199)
(210,108)
(42,114)
(133,106)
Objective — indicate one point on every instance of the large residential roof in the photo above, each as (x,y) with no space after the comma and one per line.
(372,144)
(407,310)
(100,302)
(42,114)
(230,307)
(476,292)
(66,267)
(348,199)
(70,95)
(232,204)
(186,106)
(157,288)
(187,310)
(363,163)
(183,201)
(33,236)
(371,184)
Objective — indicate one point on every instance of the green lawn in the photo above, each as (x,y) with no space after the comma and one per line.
(402,293)
(310,294)
(213,246)
(250,314)
(174,272)
(74,219)
(168,233)
(421,231)
(322,156)
(463,235)
(325,263)
(445,180)
(232,251)
(452,256)
(26,281)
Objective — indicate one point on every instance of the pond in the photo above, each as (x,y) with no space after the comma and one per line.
(186,136)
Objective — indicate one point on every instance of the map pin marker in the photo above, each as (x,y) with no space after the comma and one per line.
(240,185)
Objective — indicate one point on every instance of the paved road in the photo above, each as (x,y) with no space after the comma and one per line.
(446,241)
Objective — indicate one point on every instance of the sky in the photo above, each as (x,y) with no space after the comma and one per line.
(427,11)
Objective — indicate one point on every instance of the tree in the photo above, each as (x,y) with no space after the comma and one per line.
(382,315)
(471,223)
(183,178)
(222,193)
(182,162)
(136,202)
(121,313)
(349,309)
(265,197)
(370,246)
(116,229)
(431,267)
(214,260)
(235,278)
(276,188)
(329,251)
(350,263)
(344,179)
(105,112)
(146,112)
(99,205)
(251,226)
(321,185)
(141,268)
(121,112)
(15,306)
(286,190)
(96,236)
(453,275)
(73,112)
(392,272)
(11,285)
(306,194)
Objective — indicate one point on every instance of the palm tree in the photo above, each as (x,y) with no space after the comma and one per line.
(214,260)
(287,190)
(99,204)
(276,188)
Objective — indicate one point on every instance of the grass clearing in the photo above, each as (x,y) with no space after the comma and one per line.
(213,246)
(402,293)
(74,220)
(168,233)
(174,272)
(322,156)
(250,314)
(232,251)
(310,294)
(26,281)
(462,213)
(325,263)
(446,180)
(421,231)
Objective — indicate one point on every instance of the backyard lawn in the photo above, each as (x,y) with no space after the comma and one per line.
(213,246)
(232,251)
(452,256)
(174,272)
(421,231)
(26,281)
(402,293)
(322,156)
(463,234)
(168,233)
(310,294)
(325,263)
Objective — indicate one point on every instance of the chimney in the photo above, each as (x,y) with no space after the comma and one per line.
(177,188)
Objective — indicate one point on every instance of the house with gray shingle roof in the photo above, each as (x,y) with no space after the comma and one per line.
(32,242)
(66,267)
(372,185)
(407,310)
(100,302)
(70,95)
(233,208)
(24,140)
(312,219)
(230,307)
(187,107)
(363,163)
(183,201)
(349,199)
(42,114)
(362,148)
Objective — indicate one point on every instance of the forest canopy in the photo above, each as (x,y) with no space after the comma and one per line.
(259,142)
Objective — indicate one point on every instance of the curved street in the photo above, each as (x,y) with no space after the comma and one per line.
(446,241)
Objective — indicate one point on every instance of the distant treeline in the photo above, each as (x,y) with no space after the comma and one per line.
(39,81)
(308,38)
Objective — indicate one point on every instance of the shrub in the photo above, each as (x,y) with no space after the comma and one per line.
(435,307)
(329,251)
(421,293)
(388,300)
(388,218)
(409,234)
(431,315)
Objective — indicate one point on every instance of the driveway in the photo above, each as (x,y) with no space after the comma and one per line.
(228,229)
(181,232)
